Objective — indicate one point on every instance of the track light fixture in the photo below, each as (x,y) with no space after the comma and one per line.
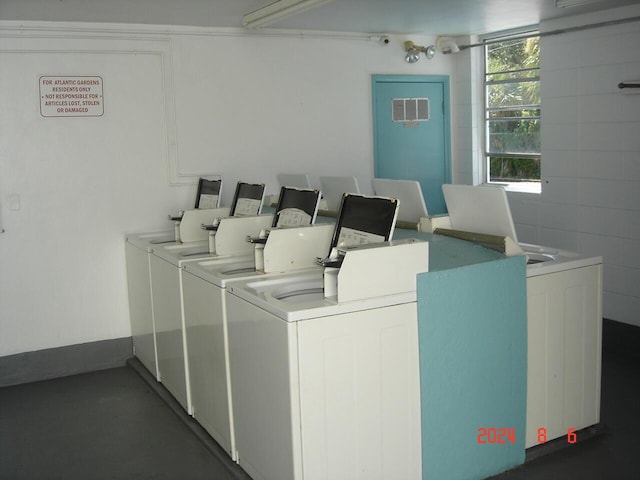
(414,51)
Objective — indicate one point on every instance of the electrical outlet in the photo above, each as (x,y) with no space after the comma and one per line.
(14,202)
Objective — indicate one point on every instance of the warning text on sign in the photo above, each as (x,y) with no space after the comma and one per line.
(79,96)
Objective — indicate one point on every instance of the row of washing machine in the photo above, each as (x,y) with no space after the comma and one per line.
(314,373)
(297,368)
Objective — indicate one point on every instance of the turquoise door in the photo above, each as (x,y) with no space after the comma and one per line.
(411,133)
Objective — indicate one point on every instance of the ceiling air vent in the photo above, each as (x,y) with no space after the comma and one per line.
(410,109)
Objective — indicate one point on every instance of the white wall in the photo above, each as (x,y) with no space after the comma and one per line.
(178,102)
(591,152)
(469,126)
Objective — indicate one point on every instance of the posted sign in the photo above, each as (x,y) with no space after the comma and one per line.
(78,96)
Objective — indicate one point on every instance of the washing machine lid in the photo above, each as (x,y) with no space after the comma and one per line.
(178,253)
(247,200)
(300,296)
(296,207)
(480,209)
(219,270)
(300,180)
(208,193)
(334,187)
(409,192)
(363,219)
(543,260)
(147,241)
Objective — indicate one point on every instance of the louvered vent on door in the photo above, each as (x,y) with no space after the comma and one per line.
(410,109)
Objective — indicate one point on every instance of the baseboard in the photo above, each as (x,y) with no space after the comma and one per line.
(621,338)
(64,361)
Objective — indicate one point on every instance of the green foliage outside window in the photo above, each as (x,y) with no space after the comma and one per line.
(514,169)
(513,109)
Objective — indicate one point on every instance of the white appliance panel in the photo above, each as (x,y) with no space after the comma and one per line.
(140,309)
(263,361)
(206,337)
(564,311)
(167,308)
(360,395)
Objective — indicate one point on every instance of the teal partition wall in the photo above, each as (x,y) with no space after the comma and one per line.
(473,369)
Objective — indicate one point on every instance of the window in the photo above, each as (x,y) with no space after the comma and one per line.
(512,107)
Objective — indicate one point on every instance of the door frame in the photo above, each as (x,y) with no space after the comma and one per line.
(446,107)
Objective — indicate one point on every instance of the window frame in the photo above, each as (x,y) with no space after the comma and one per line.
(521,33)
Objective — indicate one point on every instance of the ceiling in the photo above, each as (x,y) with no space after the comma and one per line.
(431,17)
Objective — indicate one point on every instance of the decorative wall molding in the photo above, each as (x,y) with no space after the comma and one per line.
(55,39)
(102,29)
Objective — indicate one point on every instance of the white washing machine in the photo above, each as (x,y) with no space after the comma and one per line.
(166,262)
(192,241)
(287,247)
(205,316)
(564,331)
(229,239)
(324,368)
(138,251)
(138,248)
(564,318)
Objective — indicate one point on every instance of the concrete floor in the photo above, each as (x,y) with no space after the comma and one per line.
(112,424)
(103,425)
(612,455)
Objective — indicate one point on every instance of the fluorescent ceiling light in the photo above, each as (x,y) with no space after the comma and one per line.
(277,11)
(574,3)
